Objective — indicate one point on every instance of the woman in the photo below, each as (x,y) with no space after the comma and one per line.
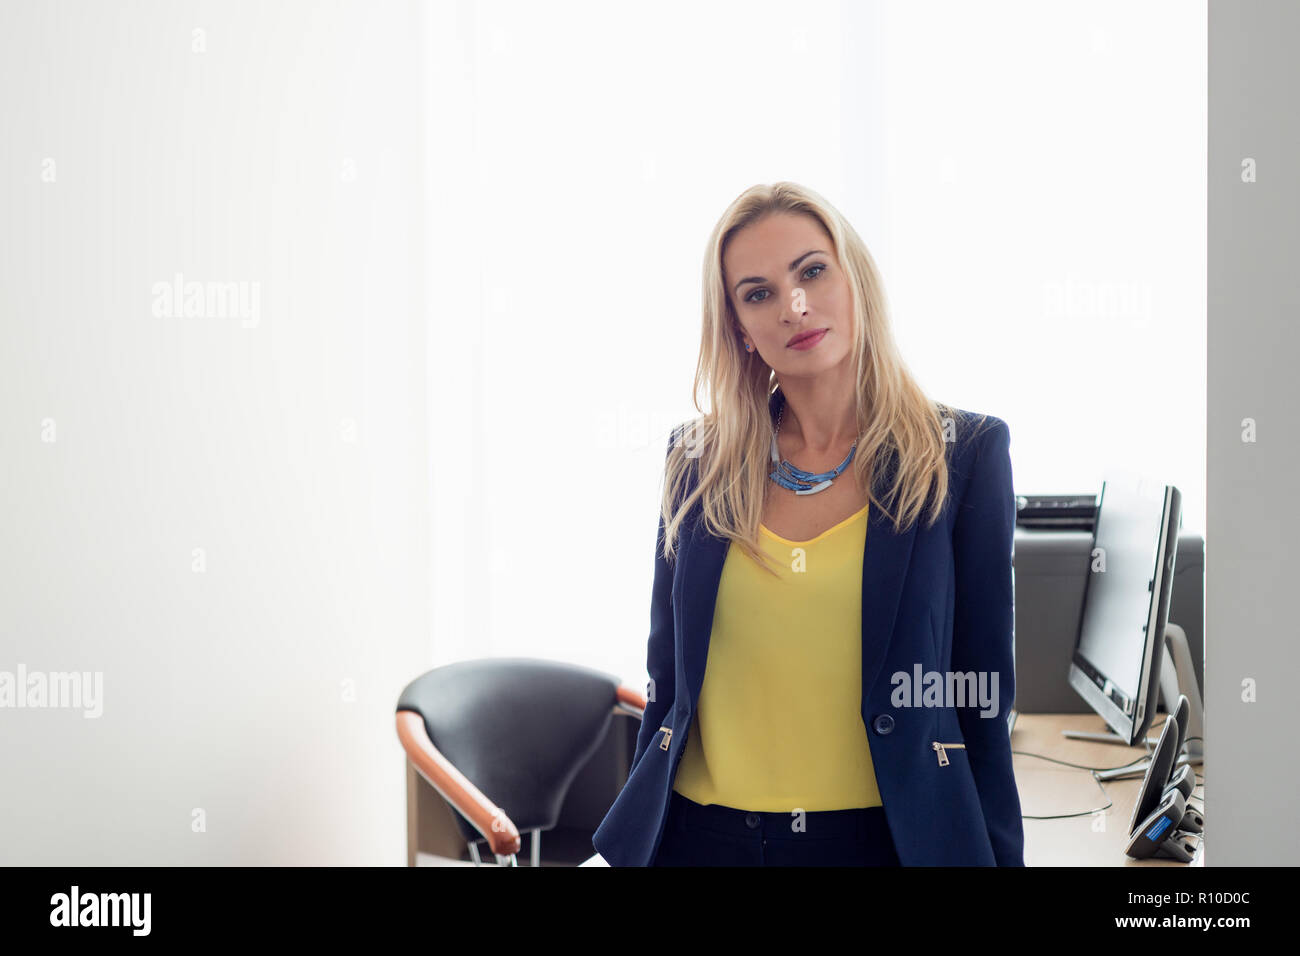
(831,647)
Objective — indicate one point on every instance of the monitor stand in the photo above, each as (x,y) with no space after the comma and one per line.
(1175,679)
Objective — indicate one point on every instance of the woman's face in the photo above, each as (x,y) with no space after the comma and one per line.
(784,281)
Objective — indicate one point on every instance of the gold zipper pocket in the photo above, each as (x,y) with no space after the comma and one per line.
(668,735)
(941,750)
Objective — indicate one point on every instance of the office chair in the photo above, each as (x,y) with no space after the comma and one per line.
(501,739)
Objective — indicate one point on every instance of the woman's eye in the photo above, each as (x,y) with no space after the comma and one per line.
(750,297)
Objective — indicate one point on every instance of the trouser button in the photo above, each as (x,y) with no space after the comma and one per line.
(752,820)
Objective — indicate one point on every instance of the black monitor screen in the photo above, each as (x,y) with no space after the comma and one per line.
(1119,602)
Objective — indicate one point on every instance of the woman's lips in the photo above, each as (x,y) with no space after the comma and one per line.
(808,341)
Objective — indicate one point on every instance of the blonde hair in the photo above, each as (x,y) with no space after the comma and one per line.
(728,447)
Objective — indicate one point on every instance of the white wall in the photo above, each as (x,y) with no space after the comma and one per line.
(290,446)
(1046,218)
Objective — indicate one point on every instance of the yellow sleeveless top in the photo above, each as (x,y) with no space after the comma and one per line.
(779,724)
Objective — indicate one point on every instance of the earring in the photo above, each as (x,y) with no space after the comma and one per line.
(748,347)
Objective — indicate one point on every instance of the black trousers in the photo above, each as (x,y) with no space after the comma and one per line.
(714,835)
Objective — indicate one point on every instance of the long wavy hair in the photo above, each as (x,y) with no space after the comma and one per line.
(728,447)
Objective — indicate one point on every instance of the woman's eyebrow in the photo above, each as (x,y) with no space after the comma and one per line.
(794,265)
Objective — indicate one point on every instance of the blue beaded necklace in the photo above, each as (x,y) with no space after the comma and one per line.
(796,479)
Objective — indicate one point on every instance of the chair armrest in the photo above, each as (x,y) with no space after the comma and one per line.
(486,817)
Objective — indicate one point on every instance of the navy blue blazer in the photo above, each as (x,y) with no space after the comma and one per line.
(940,597)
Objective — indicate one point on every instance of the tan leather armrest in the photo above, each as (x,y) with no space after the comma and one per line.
(489,819)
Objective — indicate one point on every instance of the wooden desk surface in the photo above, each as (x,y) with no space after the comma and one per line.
(1046,788)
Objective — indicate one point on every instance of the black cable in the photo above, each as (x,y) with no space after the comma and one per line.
(1082,813)
(1093,771)
(1077,766)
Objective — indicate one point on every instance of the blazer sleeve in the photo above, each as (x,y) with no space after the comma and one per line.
(660,652)
(984,632)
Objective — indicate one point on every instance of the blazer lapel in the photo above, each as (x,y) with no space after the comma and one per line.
(885,559)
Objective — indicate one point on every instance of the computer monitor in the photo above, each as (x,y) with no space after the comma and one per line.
(1116,662)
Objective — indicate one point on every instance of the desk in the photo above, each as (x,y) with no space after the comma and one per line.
(1049,788)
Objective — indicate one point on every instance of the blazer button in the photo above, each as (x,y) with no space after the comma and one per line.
(884,724)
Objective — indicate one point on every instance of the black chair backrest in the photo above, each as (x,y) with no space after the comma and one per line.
(519,729)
